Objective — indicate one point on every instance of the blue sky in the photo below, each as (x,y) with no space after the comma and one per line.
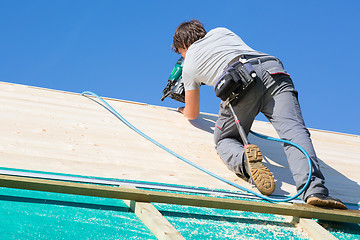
(121,49)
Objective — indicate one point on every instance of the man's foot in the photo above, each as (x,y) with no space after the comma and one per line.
(322,200)
(259,174)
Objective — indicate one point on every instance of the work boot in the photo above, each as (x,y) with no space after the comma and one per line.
(322,200)
(259,175)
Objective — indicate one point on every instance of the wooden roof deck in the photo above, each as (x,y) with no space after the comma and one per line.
(54,131)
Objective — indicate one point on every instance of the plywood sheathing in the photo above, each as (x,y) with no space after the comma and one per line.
(63,132)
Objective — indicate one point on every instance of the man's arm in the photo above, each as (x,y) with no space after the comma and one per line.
(192,104)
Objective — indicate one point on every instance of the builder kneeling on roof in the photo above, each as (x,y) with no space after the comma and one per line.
(217,58)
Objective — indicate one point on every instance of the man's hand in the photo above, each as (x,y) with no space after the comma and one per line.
(181,110)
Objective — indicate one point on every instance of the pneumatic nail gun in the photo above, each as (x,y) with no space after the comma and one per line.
(175,87)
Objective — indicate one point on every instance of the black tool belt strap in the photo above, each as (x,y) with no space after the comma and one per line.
(252,59)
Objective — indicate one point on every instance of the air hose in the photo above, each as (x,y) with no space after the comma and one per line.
(121,118)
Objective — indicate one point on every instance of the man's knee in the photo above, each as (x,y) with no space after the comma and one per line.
(231,153)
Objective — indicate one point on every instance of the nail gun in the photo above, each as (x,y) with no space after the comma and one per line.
(175,87)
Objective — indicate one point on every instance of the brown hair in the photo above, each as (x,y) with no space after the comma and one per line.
(187,33)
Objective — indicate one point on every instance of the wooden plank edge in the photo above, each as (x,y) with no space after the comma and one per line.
(154,220)
(69,93)
(313,229)
(297,210)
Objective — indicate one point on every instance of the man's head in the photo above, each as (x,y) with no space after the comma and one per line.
(186,34)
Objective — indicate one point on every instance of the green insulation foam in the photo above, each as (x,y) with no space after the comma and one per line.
(41,215)
(342,231)
(206,223)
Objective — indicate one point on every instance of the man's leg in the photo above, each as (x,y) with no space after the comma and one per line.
(231,152)
(227,139)
(282,108)
(246,163)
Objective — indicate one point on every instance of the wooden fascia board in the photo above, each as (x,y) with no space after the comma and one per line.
(298,210)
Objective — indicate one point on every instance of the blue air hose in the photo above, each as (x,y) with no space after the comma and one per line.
(113,111)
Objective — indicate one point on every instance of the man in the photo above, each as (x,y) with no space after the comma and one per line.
(207,56)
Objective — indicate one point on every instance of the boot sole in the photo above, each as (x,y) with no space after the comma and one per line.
(259,174)
(325,203)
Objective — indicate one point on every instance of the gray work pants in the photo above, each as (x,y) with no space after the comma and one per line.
(274,96)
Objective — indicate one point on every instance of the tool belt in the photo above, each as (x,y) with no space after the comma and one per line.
(236,79)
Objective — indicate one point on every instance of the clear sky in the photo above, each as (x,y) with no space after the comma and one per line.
(121,49)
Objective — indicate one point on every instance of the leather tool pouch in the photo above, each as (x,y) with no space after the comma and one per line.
(237,79)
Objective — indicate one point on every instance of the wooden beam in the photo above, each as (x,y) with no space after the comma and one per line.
(303,211)
(315,230)
(154,220)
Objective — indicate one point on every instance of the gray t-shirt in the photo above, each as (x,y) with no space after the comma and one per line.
(207,58)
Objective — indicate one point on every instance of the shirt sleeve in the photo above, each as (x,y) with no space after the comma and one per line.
(189,74)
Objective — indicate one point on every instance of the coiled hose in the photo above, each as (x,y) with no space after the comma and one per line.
(121,118)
